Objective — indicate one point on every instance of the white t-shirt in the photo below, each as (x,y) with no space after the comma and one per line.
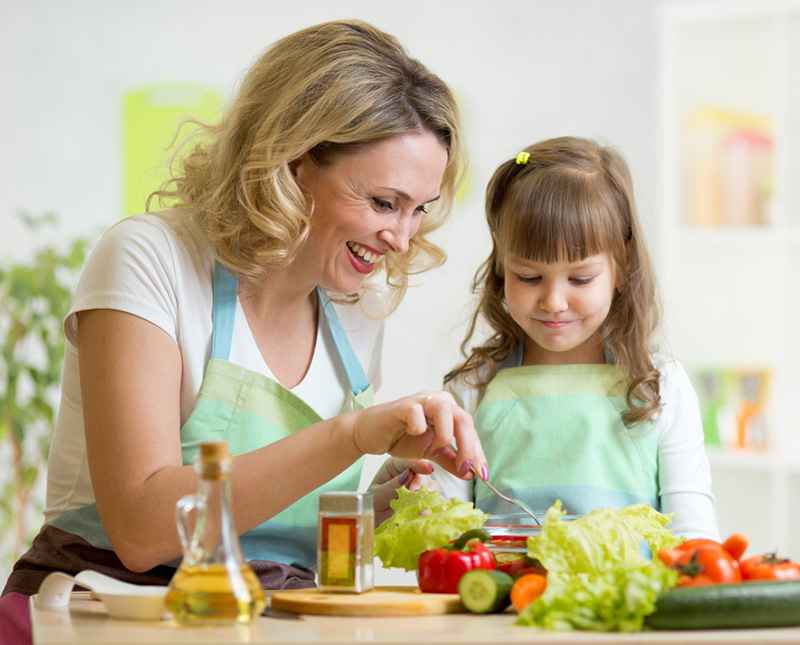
(159,267)
(684,476)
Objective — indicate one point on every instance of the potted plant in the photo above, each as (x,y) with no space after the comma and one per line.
(34,297)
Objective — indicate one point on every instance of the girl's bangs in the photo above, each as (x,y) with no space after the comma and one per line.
(557,218)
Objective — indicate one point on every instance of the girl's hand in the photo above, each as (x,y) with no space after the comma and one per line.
(422,426)
(393,474)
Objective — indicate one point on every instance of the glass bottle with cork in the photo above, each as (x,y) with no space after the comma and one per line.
(213,585)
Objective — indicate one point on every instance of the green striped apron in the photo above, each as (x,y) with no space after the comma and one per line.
(249,410)
(556,432)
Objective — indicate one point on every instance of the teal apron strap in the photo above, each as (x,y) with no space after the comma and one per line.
(514,359)
(352,366)
(223,311)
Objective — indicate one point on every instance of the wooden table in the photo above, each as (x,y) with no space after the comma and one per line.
(87,622)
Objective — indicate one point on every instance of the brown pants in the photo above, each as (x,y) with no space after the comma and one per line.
(57,550)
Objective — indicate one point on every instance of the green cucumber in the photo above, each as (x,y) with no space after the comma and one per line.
(485,591)
(745,604)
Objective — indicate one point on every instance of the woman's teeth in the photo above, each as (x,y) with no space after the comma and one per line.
(367,256)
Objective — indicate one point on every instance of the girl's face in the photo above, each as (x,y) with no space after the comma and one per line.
(560,306)
(367,203)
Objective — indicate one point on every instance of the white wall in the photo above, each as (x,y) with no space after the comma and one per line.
(522,70)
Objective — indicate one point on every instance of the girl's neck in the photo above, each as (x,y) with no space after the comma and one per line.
(591,352)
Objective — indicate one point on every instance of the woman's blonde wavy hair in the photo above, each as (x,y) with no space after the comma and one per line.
(326,90)
(572,199)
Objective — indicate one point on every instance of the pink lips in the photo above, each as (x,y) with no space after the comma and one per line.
(555,324)
(359,264)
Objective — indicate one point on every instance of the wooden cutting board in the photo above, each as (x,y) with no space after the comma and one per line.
(381,601)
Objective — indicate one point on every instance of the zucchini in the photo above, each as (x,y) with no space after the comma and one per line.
(745,604)
(485,591)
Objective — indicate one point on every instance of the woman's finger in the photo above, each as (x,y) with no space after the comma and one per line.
(439,409)
(447,458)
(470,457)
(395,466)
(414,419)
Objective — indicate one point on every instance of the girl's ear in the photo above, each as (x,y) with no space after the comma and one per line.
(619,281)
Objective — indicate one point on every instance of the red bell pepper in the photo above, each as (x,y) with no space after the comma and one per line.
(439,570)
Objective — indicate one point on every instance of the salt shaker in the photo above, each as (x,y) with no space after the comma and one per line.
(345,542)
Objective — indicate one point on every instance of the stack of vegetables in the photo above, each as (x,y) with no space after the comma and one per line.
(591,573)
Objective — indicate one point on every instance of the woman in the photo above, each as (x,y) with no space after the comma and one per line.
(212,320)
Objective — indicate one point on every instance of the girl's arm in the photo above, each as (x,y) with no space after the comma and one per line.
(130,374)
(683,471)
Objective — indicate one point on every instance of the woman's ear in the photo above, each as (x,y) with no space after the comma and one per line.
(300,168)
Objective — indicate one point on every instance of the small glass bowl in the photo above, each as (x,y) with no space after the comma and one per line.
(510,532)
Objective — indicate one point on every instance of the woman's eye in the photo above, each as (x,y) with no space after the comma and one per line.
(581,281)
(423,209)
(382,204)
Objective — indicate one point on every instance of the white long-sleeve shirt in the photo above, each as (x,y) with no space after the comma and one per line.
(684,477)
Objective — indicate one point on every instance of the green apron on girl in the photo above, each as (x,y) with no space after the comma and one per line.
(556,432)
(249,410)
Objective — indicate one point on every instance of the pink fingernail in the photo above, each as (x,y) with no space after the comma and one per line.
(465,467)
(484,472)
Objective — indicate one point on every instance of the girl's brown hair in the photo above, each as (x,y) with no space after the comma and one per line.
(325,90)
(572,199)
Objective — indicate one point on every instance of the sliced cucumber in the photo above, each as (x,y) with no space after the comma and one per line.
(746,604)
(485,591)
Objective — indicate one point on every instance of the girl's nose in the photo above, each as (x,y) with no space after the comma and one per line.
(553,302)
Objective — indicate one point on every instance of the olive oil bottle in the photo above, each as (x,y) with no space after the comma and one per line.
(213,585)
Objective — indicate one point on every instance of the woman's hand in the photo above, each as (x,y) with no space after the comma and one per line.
(393,474)
(423,426)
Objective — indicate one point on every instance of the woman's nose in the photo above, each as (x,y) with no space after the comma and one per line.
(398,235)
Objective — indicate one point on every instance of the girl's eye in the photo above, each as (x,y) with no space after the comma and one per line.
(423,209)
(529,279)
(581,281)
(382,204)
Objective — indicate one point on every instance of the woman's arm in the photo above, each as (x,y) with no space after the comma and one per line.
(130,372)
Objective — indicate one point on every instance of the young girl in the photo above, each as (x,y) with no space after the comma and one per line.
(569,401)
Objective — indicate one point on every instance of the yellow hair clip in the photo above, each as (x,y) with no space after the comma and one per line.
(522,158)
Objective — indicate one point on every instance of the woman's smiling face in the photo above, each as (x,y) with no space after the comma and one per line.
(367,203)
(560,306)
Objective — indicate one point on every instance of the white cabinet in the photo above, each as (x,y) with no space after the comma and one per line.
(728,244)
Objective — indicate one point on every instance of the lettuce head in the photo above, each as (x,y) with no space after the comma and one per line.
(422,520)
(598,576)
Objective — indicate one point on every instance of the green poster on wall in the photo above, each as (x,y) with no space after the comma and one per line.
(151,116)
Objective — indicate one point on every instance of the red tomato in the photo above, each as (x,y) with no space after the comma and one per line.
(704,564)
(518,564)
(736,545)
(770,567)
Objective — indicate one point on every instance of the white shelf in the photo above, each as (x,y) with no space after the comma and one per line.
(744,460)
(730,294)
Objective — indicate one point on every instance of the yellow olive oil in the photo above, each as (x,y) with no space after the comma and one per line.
(206,595)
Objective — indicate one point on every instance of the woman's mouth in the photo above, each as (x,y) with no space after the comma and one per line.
(362,259)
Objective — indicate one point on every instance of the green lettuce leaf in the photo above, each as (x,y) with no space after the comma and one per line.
(597,576)
(422,520)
